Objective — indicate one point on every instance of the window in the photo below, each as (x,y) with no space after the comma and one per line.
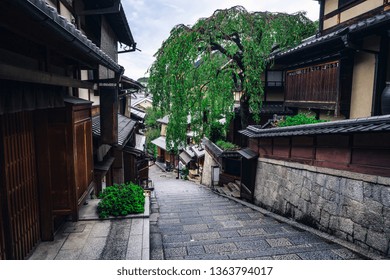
(275,79)
(343,3)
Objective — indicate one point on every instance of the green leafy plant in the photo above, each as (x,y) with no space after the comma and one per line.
(185,172)
(299,119)
(217,131)
(226,145)
(121,200)
(198,67)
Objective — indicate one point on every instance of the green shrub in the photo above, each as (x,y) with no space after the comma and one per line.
(299,120)
(226,145)
(121,200)
(217,131)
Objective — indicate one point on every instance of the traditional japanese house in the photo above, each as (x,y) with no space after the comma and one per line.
(333,176)
(58,59)
(342,71)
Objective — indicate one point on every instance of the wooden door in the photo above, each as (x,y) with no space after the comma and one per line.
(19,192)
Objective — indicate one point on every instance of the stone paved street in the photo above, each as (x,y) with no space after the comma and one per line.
(189,221)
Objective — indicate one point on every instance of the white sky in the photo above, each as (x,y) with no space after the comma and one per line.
(151,21)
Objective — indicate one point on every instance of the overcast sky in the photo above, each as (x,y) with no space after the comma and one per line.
(151,21)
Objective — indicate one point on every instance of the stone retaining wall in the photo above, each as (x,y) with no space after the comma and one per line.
(351,206)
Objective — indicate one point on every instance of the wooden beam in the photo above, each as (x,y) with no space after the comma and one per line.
(9,72)
(109,115)
(44,173)
(330,105)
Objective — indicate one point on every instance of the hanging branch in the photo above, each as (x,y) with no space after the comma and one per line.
(198,68)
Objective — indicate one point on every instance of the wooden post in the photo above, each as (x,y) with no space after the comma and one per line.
(44,173)
(109,114)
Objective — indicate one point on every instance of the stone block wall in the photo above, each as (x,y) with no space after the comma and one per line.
(351,206)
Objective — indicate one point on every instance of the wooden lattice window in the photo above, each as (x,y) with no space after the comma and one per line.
(314,86)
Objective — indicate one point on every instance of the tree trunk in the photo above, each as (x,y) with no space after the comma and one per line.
(244,111)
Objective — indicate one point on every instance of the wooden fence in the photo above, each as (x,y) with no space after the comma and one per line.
(19,192)
(367,153)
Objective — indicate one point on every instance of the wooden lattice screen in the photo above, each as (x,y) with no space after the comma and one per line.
(313,86)
(19,188)
(2,241)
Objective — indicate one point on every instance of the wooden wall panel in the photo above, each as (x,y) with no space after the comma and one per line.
(84,158)
(313,84)
(367,153)
(60,174)
(20,185)
(2,188)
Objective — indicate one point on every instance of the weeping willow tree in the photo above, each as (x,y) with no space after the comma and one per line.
(198,68)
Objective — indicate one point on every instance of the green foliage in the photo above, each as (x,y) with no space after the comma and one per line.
(198,68)
(152,115)
(299,119)
(184,173)
(151,134)
(226,146)
(121,200)
(217,131)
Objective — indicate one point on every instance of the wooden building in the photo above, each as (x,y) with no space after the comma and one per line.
(58,59)
(341,72)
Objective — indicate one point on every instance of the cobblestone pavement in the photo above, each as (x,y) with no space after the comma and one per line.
(189,221)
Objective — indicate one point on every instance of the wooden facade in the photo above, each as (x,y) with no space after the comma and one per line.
(20,221)
(314,86)
(46,149)
(71,160)
(341,71)
(367,153)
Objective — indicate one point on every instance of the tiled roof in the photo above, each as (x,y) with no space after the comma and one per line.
(138,113)
(125,128)
(160,142)
(47,14)
(372,124)
(372,22)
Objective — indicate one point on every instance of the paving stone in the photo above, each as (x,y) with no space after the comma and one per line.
(319,255)
(205,236)
(252,232)
(196,227)
(175,252)
(252,245)
(287,257)
(93,249)
(346,254)
(218,248)
(75,228)
(176,238)
(229,234)
(224,217)
(232,224)
(206,257)
(195,250)
(278,242)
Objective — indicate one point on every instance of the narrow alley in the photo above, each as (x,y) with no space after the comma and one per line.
(189,221)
